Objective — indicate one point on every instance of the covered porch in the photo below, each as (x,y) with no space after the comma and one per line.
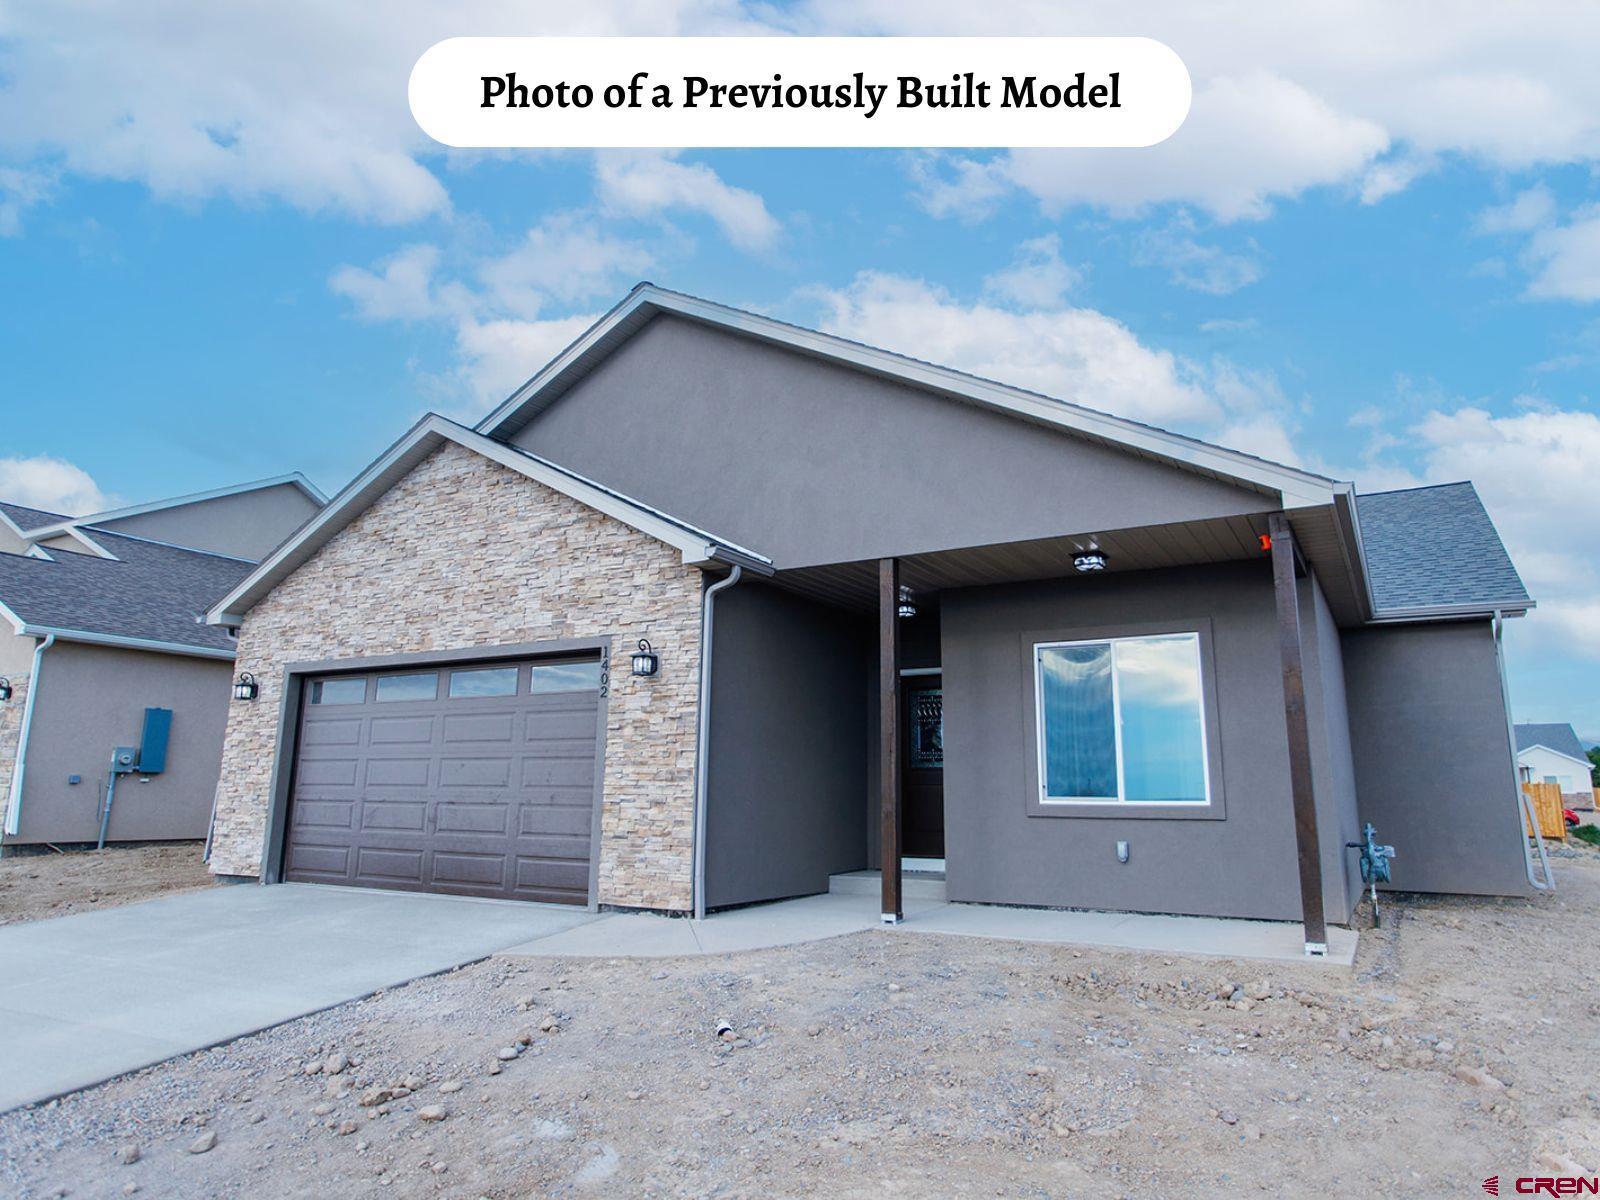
(939,675)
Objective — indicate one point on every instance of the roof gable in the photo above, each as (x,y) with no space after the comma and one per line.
(1557,737)
(698,547)
(1297,488)
(1433,548)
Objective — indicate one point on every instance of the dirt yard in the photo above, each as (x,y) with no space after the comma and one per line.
(34,886)
(881,1064)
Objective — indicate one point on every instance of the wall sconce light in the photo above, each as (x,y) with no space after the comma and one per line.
(646,662)
(907,607)
(1089,561)
(5,689)
(245,687)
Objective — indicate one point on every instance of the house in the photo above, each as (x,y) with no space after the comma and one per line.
(1553,754)
(714,607)
(100,624)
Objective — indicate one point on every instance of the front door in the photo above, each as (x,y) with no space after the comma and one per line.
(922,780)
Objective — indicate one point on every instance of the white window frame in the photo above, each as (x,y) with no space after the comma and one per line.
(1047,800)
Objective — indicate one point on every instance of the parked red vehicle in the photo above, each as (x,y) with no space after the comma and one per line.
(1570,817)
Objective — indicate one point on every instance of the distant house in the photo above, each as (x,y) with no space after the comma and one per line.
(1553,754)
(100,620)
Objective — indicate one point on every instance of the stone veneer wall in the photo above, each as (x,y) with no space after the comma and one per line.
(464,552)
(10,738)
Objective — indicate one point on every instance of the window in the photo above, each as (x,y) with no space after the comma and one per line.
(565,677)
(339,691)
(492,681)
(1121,721)
(408,687)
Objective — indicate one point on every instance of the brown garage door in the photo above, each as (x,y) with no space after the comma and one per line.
(474,780)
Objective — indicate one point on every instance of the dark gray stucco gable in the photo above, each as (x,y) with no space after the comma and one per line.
(244,524)
(814,462)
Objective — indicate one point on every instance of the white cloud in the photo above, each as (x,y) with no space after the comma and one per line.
(1526,211)
(497,305)
(1193,265)
(1248,140)
(568,258)
(19,191)
(1565,259)
(1535,470)
(644,183)
(401,290)
(1037,277)
(51,484)
(1074,354)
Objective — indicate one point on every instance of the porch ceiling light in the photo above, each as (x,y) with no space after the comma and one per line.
(245,687)
(1089,561)
(646,662)
(907,607)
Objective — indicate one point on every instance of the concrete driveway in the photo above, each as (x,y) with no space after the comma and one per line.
(91,996)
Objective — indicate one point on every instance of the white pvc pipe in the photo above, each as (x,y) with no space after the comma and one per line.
(702,749)
(14,808)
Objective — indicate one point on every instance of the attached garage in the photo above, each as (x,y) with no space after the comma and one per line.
(471,779)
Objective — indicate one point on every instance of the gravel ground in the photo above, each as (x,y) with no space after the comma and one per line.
(892,1065)
(33,886)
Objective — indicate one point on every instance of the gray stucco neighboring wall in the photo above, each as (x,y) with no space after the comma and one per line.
(1243,864)
(817,463)
(1433,763)
(91,699)
(246,524)
(787,780)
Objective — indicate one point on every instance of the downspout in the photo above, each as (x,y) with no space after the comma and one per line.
(14,808)
(702,749)
(1524,804)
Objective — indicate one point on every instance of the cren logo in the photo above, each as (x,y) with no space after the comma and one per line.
(1492,1185)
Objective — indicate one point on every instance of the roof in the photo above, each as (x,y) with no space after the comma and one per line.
(1559,738)
(151,595)
(698,547)
(294,479)
(1433,548)
(26,519)
(1297,488)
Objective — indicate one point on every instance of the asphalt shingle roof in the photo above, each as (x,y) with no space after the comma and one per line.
(1554,737)
(150,591)
(29,518)
(1434,546)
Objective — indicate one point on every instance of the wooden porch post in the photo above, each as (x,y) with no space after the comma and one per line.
(889,735)
(1286,594)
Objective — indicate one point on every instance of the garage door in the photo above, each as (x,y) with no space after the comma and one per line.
(473,780)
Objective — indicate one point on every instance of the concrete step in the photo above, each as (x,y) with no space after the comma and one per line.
(919,885)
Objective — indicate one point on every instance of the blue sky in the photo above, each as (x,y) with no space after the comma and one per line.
(1384,267)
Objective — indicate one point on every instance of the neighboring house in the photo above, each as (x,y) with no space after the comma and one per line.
(1082,661)
(1553,754)
(101,618)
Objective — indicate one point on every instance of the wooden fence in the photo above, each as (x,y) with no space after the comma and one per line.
(1547,805)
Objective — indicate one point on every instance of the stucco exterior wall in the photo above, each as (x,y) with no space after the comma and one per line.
(246,524)
(90,700)
(464,552)
(1238,859)
(1433,760)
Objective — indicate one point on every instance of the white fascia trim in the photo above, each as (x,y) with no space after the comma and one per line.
(697,547)
(1299,489)
(17,623)
(1583,762)
(125,643)
(1508,609)
(136,510)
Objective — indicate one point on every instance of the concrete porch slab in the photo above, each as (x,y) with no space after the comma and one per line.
(1211,937)
(88,997)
